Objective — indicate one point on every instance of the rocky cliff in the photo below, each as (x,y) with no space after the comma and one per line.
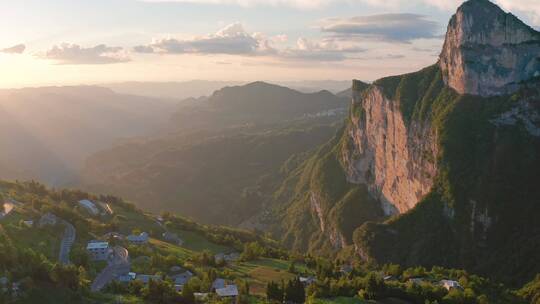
(487,51)
(395,160)
(451,151)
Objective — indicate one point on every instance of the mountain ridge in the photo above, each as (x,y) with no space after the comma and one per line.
(442,165)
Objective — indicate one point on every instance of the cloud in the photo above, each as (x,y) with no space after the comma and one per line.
(232,40)
(324,50)
(16,49)
(74,54)
(386,27)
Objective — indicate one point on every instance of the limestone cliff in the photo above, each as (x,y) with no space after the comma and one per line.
(487,51)
(395,160)
(451,151)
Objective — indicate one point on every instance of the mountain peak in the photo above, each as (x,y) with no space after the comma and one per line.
(488,51)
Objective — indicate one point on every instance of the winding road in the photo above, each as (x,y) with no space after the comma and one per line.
(118,264)
(67,241)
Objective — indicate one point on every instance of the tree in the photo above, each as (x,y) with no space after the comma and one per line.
(274,293)
(292,268)
(294,291)
(375,287)
(188,293)
(160,292)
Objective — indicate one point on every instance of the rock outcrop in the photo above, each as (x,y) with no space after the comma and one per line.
(395,161)
(487,51)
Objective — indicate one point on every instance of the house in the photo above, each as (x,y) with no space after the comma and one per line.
(182,278)
(99,251)
(231,257)
(29,223)
(89,206)
(178,288)
(450,284)
(138,239)
(229,291)
(218,284)
(145,278)
(48,219)
(306,281)
(126,278)
(172,238)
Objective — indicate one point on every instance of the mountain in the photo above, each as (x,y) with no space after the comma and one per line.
(229,152)
(436,167)
(46,133)
(257,103)
(199,88)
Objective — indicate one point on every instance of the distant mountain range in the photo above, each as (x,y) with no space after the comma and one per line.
(198,88)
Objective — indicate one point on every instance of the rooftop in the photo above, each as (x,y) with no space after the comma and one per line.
(97,245)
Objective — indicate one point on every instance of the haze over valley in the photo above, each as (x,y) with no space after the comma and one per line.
(394,157)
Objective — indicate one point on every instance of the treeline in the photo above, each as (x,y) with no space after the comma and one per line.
(415,285)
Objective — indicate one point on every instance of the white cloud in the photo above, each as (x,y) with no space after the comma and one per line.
(74,54)
(232,39)
(16,49)
(324,50)
(388,27)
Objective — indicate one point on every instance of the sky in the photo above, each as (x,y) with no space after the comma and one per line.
(69,42)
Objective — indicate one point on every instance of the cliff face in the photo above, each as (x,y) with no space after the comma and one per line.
(487,51)
(451,150)
(396,161)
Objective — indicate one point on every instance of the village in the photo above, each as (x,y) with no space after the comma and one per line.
(122,261)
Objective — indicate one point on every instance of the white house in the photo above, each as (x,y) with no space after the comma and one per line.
(138,239)
(229,291)
(218,284)
(231,257)
(145,278)
(172,238)
(99,251)
(89,206)
(48,219)
(126,278)
(183,278)
(450,284)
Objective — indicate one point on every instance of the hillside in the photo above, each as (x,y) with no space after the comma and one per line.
(203,175)
(46,133)
(229,151)
(184,260)
(452,167)
(258,103)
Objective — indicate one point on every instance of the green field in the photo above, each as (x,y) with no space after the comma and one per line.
(196,242)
